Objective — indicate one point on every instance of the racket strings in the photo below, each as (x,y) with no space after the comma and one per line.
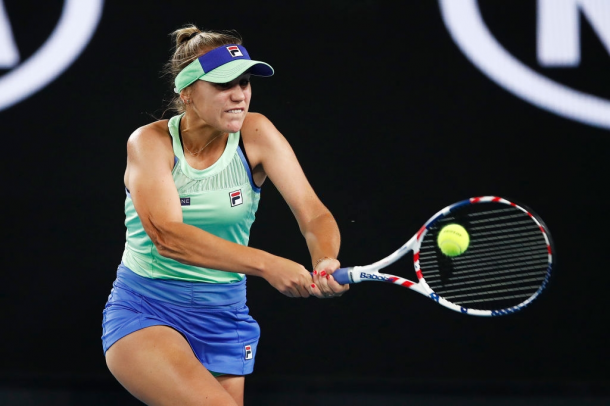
(509,251)
(503,256)
(495,299)
(506,262)
(504,283)
(500,229)
(497,216)
(487,274)
(525,240)
(495,212)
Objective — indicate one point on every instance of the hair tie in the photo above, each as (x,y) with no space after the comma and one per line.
(192,35)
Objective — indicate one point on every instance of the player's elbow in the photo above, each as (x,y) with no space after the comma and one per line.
(164,247)
(164,239)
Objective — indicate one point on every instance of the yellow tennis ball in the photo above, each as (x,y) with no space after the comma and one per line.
(453,240)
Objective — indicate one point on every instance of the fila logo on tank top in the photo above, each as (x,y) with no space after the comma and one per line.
(236,199)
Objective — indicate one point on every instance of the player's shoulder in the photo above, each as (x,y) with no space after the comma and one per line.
(153,133)
(258,127)
(255,121)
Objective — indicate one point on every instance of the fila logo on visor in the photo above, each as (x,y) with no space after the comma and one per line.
(248,349)
(234,51)
(236,198)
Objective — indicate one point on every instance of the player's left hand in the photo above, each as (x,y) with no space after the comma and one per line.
(326,286)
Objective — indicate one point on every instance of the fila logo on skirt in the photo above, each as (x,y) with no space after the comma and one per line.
(248,349)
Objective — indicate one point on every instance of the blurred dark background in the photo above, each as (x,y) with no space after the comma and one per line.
(390,121)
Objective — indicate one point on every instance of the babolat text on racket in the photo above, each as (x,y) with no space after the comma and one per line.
(506,265)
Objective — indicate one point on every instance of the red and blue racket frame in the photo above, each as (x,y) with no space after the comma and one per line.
(371,272)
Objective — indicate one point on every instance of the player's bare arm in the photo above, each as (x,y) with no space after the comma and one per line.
(149,180)
(272,156)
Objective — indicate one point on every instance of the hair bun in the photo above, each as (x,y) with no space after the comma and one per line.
(185,34)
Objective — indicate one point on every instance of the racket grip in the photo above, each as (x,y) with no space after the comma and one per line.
(341,276)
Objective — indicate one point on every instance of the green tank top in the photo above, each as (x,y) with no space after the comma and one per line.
(221,200)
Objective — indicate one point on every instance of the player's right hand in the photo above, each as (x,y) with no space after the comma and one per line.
(290,278)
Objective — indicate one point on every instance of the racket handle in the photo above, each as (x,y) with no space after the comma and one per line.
(341,276)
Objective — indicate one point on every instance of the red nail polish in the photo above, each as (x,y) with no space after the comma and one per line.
(322,273)
(313,286)
(315,272)
(327,276)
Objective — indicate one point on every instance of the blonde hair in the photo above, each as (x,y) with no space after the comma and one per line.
(191,43)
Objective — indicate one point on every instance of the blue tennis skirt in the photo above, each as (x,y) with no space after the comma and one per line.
(212,317)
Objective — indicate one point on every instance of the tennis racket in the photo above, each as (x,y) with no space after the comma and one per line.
(506,266)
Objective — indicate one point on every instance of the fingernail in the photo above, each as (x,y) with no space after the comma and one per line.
(313,285)
(322,273)
(315,272)
(327,276)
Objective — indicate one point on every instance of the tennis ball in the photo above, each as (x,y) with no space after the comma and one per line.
(453,240)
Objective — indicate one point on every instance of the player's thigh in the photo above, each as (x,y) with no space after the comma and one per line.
(157,365)
(234,385)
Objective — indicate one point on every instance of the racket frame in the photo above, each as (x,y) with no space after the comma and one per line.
(371,272)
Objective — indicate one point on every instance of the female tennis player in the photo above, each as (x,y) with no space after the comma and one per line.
(176,328)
